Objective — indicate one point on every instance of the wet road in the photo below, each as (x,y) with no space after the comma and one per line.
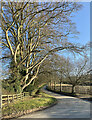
(67,107)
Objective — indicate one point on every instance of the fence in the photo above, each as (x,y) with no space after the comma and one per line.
(5,99)
(68,88)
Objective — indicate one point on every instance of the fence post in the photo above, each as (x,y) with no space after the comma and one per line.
(20,95)
(50,84)
(17,96)
(60,87)
(1,101)
(54,85)
(12,97)
(8,98)
(23,95)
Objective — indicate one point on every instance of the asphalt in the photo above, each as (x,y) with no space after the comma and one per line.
(67,107)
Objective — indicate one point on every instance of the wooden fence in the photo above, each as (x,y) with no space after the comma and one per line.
(68,88)
(5,99)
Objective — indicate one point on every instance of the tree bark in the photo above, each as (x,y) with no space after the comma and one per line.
(73,86)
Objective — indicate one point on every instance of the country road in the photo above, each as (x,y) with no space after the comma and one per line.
(67,107)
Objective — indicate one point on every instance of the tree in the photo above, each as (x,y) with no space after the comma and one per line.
(75,72)
(33,31)
(48,72)
(52,66)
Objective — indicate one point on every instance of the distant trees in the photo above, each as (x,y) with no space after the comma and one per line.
(31,31)
(49,71)
(75,72)
(51,68)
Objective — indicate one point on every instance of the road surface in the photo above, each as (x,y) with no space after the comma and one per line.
(67,107)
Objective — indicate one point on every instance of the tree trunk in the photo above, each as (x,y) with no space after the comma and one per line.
(37,89)
(33,93)
(73,89)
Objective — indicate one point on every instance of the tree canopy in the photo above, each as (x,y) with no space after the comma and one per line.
(31,32)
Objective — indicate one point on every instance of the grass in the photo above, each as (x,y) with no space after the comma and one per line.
(42,94)
(85,97)
(28,103)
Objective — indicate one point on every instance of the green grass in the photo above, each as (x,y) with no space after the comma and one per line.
(42,94)
(28,103)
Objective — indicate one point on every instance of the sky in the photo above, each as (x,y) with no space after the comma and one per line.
(82,20)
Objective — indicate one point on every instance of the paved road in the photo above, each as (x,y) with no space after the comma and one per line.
(67,107)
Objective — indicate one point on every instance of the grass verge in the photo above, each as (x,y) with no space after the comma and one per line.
(27,105)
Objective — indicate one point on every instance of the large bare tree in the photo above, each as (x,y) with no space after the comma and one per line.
(31,31)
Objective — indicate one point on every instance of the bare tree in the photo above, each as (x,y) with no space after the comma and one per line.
(75,72)
(33,31)
(50,71)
